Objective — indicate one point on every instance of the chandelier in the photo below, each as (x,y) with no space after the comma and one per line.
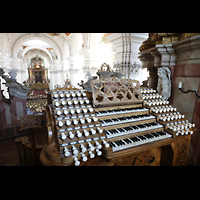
(125,66)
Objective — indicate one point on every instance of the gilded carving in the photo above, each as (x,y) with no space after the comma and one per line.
(167,40)
(156,39)
(163,38)
(183,36)
(146,45)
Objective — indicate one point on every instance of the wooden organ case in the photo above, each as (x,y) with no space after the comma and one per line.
(117,124)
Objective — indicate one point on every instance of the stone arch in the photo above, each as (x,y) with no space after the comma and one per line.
(34,36)
(39,48)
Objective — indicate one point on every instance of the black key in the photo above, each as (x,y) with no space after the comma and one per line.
(134,127)
(161,133)
(115,119)
(106,132)
(134,139)
(141,137)
(112,144)
(118,143)
(153,123)
(121,130)
(122,142)
(148,125)
(155,134)
(141,126)
(148,136)
(127,141)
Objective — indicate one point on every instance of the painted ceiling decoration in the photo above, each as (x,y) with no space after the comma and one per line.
(57,34)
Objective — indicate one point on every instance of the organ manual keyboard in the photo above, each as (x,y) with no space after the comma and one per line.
(116,120)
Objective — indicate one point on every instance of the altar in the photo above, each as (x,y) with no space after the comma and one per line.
(37,72)
(39,83)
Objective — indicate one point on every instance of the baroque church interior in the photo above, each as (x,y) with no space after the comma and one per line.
(63,96)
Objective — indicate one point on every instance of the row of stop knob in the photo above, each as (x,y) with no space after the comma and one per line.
(68,95)
(171,117)
(163,110)
(182,129)
(154,103)
(144,91)
(152,96)
(75,110)
(79,133)
(75,121)
(71,102)
(178,127)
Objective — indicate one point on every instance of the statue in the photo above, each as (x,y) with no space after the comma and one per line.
(164,82)
(87,85)
(88,75)
(13,73)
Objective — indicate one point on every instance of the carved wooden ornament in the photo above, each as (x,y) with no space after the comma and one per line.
(116,92)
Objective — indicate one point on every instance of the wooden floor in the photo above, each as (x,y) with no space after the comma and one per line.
(9,151)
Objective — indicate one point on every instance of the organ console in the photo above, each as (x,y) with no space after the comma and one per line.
(125,121)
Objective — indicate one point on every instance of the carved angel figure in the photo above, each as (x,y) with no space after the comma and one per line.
(13,73)
(88,75)
(164,82)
